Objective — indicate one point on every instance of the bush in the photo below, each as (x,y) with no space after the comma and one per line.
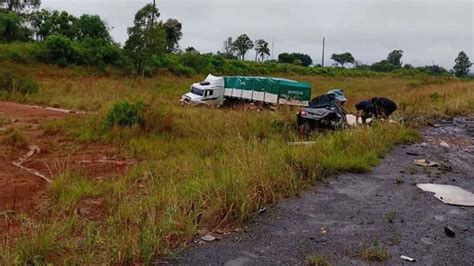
(22,52)
(60,50)
(125,114)
(200,63)
(17,83)
(97,52)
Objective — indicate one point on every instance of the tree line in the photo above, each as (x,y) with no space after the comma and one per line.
(67,39)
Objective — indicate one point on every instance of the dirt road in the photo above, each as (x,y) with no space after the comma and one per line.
(20,190)
(351,212)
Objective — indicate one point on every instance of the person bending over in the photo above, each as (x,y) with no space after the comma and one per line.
(365,109)
(383,107)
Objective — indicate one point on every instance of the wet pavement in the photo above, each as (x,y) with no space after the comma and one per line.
(350,212)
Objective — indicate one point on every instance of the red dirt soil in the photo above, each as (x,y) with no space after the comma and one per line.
(20,190)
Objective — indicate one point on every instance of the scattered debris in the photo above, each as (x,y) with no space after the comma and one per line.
(323,231)
(403,257)
(426,241)
(450,194)
(262,210)
(413,154)
(208,238)
(444,144)
(449,231)
(426,163)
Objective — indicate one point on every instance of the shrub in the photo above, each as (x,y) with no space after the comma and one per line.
(200,63)
(125,114)
(97,52)
(60,50)
(375,253)
(21,52)
(17,83)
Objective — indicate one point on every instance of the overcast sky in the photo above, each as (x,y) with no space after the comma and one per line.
(426,30)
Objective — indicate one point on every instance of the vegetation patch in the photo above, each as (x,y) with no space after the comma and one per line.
(317,260)
(390,216)
(375,253)
(125,114)
(13,83)
(14,138)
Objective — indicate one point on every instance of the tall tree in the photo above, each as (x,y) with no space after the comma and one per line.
(93,27)
(262,49)
(19,6)
(146,37)
(41,25)
(229,48)
(173,34)
(343,58)
(242,45)
(395,58)
(11,27)
(462,66)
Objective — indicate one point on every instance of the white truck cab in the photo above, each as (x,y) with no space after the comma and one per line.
(210,91)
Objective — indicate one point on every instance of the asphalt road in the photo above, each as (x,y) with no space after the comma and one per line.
(350,212)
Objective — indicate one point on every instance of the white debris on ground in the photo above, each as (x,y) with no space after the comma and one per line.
(426,163)
(208,238)
(403,257)
(351,119)
(449,194)
(444,144)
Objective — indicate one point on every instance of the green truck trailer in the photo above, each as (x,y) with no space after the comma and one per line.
(255,89)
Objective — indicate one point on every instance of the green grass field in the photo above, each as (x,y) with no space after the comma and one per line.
(200,168)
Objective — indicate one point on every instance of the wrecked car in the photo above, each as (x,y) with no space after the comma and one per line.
(323,112)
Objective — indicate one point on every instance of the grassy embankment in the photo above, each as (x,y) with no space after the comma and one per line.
(200,168)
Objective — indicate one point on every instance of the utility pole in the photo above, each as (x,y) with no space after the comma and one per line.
(273,49)
(432,68)
(324,46)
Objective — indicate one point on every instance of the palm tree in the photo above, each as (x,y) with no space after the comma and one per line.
(262,49)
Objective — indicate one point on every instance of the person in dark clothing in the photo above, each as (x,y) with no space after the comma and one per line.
(365,109)
(383,107)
